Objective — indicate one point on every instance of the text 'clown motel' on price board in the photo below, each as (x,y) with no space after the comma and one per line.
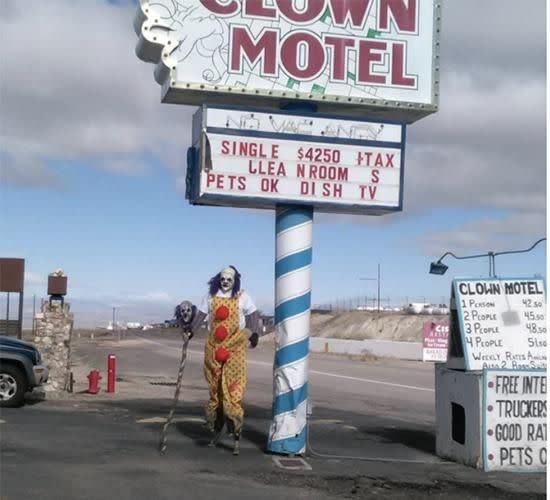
(502,322)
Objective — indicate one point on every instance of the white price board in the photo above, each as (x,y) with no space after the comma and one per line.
(502,322)
(261,159)
(514,420)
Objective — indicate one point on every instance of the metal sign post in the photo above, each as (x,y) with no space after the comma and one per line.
(293,257)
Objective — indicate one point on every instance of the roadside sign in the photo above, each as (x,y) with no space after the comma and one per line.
(339,54)
(498,323)
(514,420)
(435,338)
(260,159)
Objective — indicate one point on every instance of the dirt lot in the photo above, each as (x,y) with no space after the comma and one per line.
(359,325)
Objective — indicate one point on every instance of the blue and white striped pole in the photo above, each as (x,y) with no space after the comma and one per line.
(293,251)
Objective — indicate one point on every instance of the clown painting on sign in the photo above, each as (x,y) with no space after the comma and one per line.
(233,323)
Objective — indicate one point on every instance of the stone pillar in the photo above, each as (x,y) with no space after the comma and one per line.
(54,327)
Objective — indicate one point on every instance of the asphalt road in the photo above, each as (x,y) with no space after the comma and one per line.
(371,434)
(381,386)
(379,396)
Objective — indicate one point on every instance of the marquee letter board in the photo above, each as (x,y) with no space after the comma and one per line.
(259,159)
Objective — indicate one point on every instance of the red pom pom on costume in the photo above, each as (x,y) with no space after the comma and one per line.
(222,313)
(222,354)
(221,333)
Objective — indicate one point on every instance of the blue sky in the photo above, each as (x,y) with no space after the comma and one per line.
(93,166)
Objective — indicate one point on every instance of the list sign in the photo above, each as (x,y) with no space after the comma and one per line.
(514,424)
(262,159)
(502,322)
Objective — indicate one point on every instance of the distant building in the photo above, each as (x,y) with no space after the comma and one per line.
(423,308)
(119,325)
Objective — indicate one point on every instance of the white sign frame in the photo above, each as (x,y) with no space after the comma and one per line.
(161,31)
(224,121)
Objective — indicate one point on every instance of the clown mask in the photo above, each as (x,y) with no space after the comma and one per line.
(227,279)
(186,311)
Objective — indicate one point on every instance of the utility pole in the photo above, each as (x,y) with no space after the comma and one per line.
(377,279)
(378,288)
(114,322)
(33,313)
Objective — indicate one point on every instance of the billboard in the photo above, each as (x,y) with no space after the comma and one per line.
(259,159)
(344,55)
(12,274)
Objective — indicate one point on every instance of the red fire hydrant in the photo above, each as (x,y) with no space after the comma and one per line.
(93,381)
(111,372)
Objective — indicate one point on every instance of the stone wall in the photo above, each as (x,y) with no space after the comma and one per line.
(53,331)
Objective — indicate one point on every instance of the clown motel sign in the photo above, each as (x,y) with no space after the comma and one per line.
(344,55)
(514,420)
(261,159)
(502,322)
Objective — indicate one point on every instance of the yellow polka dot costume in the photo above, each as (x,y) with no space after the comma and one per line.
(225,365)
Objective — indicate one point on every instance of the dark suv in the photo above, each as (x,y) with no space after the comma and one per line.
(21,370)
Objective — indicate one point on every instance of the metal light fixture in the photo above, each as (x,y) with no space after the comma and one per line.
(439,268)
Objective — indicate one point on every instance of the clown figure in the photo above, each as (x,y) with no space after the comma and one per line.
(233,323)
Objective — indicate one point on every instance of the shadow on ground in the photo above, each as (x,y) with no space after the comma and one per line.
(343,432)
(118,433)
(418,439)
